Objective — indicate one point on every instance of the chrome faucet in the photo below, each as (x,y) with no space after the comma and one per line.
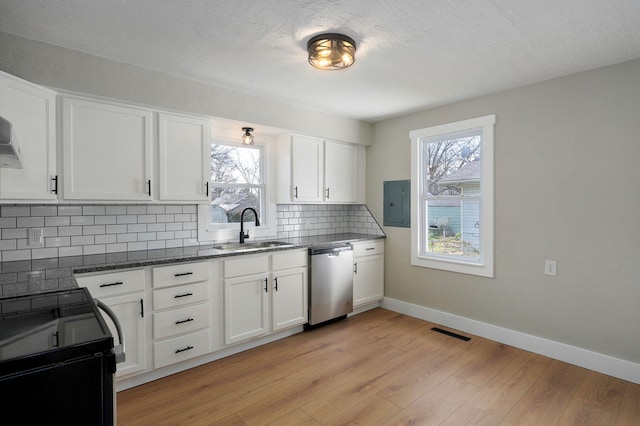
(242,234)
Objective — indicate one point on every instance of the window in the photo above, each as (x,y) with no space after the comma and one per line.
(238,180)
(452,212)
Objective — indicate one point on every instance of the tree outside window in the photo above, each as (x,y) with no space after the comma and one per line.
(237,182)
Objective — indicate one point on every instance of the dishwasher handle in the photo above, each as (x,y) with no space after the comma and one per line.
(330,250)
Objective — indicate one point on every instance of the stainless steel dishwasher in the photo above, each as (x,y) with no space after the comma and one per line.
(330,283)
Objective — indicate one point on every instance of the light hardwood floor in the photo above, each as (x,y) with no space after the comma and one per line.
(382,368)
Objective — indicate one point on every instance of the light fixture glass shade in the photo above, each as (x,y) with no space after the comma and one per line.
(331,51)
(247,137)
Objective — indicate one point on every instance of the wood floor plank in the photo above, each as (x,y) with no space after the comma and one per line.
(549,395)
(371,411)
(436,405)
(597,401)
(381,367)
(436,366)
(493,401)
(629,414)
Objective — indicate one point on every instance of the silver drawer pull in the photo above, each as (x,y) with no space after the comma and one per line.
(177,296)
(183,321)
(184,349)
(183,274)
(371,248)
(111,284)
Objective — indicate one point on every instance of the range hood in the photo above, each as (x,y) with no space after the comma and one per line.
(9,150)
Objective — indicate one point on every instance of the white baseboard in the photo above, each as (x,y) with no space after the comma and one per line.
(601,363)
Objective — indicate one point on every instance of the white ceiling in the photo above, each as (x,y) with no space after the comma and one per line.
(412,54)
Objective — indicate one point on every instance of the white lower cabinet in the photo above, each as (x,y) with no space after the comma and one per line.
(272,298)
(246,307)
(368,272)
(181,312)
(123,292)
(199,308)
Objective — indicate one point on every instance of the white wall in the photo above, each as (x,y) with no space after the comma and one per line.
(70,70)
(567,187)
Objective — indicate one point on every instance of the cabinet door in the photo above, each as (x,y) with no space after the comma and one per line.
(340,172)
(130,312)
(106,151)
(31,111)
(368,280)
(306,169)
(245,308)
(184,153)
(289,298)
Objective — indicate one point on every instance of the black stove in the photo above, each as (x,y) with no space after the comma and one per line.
(56,359)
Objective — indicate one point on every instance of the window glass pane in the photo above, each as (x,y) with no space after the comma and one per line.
(227,204)
(451,164)
(234,164)
(453,228)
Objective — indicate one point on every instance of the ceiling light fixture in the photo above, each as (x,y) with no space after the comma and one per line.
(247,137)
(331,51)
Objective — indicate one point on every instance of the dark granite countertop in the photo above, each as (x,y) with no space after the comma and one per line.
(41,275)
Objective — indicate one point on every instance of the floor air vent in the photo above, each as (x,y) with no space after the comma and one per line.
(451,334)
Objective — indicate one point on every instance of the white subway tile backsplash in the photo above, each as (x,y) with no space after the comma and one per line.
(70,251)
(64,231)
(116,248)
(94,249)
(12,233)
(95,229)
(116,210)
(15,211)
(106,239)
(69,210)
(105,220)
(82,240)
(30,222)
(93,210)
(44,211)
(82,220)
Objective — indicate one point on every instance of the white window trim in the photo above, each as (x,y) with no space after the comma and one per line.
(267,228)
(485,266)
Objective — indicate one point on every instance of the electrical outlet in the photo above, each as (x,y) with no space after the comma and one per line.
(34,237)
(550,267)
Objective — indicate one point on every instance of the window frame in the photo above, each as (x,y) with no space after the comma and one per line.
(230,231)
(484,266)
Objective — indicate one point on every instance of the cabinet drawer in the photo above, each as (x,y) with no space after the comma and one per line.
(172,297)
(245,266)
(180,349)
(180,320)
(182,273)
(289,259)
(368,248)
(113,283)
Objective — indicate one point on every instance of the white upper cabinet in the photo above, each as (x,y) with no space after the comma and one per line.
(31,110)
(341,172)
(106,151)
(306,168)
(311,170)
(184,154)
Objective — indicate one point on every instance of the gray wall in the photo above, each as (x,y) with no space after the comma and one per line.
(69,70)
(567,187)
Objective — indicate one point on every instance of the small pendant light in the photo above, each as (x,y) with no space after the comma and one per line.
(247,137)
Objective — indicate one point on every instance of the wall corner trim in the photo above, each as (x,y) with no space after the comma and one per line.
(595,361)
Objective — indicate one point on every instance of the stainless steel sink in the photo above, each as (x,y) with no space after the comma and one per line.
(257,245)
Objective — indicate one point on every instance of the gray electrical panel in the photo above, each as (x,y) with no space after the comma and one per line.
(397,203)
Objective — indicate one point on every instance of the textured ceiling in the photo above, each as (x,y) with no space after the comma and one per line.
(412,54)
